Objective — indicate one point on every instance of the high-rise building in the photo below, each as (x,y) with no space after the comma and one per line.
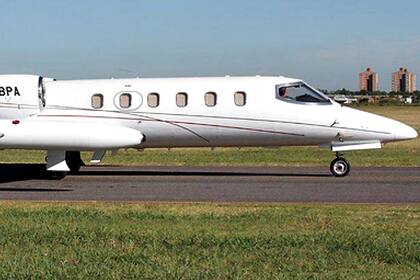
(403,81)
(368,81)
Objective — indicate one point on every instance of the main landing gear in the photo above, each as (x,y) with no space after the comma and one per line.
(340,167)
(61,162)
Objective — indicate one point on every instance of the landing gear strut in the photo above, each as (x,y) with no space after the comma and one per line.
(340,167)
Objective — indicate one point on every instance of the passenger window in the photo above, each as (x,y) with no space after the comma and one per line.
(300,92)
(210,98)
(97,101)
(153,100)
(240,98)
(181,99)
(125,100)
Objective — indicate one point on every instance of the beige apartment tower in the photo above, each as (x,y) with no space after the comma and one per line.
(368,81)
(403,81)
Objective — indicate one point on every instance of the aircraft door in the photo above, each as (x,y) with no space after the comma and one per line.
(41,93)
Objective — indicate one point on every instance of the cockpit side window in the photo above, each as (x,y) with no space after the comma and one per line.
(300,92)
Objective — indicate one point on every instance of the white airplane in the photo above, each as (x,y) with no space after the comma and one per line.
(66,117)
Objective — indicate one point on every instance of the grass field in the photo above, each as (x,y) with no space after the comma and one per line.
(208,241)
(40,240)
(396,154)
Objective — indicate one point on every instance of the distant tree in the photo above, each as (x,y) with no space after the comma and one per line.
(342,91)
(382,93)
(363,100)
(416,96)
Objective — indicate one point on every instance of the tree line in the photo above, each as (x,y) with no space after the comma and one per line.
(345,91)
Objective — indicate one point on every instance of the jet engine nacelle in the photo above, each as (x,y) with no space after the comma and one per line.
(21,96)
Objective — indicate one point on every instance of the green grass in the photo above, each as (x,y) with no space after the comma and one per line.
(395,154)
(208,241)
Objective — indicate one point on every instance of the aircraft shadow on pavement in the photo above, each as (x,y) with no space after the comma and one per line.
(208,173)
(24,172)
(40,190)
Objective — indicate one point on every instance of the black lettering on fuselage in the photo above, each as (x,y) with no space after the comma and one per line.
(7,91)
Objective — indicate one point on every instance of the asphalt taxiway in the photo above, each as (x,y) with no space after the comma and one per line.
(212,184)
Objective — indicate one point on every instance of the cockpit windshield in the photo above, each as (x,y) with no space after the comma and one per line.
(300,92)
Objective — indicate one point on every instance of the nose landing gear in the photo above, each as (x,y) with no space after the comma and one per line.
(340,167)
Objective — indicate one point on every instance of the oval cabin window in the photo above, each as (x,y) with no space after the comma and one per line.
(181,99)
(153,100)
(97,101)
(125,100)
(210,99)
(240,98)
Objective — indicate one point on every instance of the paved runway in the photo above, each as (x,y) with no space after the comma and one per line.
(222,184)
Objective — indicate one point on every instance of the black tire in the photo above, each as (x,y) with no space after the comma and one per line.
(340,167)
(74,161)
(56,175)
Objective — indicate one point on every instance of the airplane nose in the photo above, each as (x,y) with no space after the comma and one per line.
(404,132)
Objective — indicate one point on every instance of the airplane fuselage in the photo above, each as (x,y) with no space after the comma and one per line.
(263,120)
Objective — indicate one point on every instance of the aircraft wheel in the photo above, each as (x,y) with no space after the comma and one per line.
(340,167)
(74,161)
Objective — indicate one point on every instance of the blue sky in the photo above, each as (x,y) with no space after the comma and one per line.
(324,42)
